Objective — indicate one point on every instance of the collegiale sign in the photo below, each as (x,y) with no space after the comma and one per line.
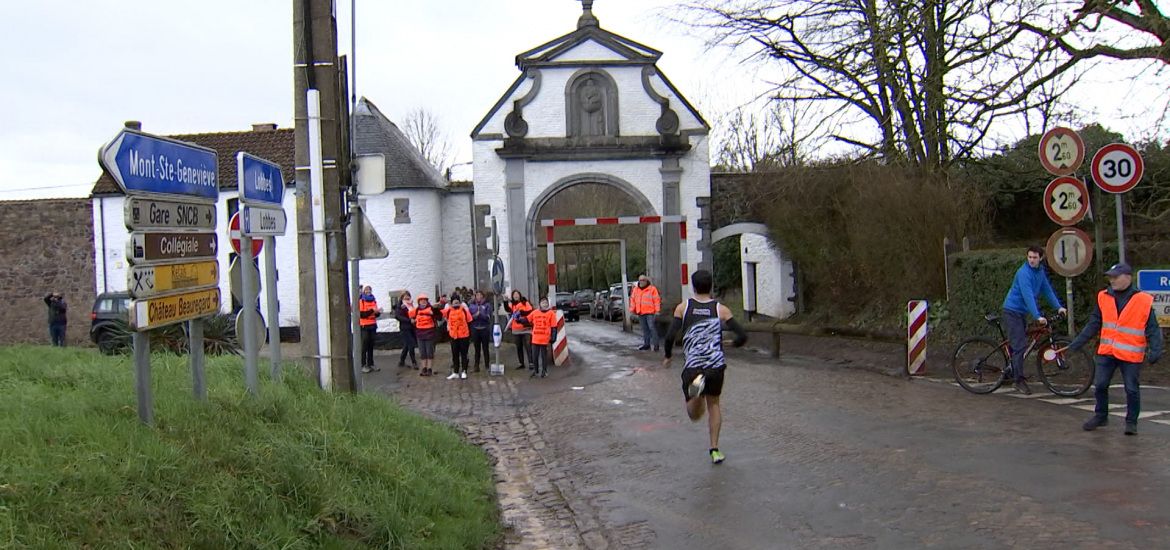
(142,163)
(155,247)
(145,213)
(147,281)
(167,310)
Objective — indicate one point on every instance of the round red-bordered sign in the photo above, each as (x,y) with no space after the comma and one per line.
(1069,251)
(234,233)
(1117,168)
(1066,200)
(1061,151)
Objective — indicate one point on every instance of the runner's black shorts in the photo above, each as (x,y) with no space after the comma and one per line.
(713,385)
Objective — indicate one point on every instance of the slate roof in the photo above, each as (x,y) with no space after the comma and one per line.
(405,166)
(278,146)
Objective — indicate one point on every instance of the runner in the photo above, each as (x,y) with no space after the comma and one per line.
(702,320)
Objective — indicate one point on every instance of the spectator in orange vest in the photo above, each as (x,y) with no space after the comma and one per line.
(644,304)
(520,307)
(1129,335)
(544,333)
(368,312)
(426,320)
(458,327)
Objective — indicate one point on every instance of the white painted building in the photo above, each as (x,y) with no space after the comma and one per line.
(592,107)
(768,284)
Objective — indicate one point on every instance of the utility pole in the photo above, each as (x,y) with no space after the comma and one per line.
(321,246)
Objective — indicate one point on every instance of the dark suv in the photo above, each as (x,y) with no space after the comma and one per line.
(111,317)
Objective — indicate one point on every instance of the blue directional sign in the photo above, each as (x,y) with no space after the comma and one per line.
(261,183)
(1154,280)
(142,163)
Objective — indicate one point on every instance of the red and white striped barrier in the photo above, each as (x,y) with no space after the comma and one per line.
(560,350)
(550,232)
(916,330)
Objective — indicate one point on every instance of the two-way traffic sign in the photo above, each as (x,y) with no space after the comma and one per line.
(1069,251)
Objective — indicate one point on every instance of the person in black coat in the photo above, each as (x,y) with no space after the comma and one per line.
(57,318)
(406,329)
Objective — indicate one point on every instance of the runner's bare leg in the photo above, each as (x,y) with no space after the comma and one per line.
(695,408)
(714,418)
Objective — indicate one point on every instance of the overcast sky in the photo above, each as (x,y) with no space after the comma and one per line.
(75,70)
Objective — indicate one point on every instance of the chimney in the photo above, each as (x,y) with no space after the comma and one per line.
(266,127)
(134,125)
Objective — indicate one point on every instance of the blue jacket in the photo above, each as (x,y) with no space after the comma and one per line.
(1026,288)
(1154,344)
(481,315)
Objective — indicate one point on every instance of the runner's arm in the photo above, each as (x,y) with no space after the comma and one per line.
(675,328)
(740,334)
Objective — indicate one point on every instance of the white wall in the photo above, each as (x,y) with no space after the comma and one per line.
(458,248)
(416,248)
(773,276)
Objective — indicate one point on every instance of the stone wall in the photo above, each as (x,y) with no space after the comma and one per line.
(45,246)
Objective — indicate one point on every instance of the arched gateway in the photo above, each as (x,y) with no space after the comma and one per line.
(591,107)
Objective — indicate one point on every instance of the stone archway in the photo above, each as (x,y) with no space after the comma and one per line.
(645,207)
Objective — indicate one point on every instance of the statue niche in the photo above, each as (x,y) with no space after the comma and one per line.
(591,105)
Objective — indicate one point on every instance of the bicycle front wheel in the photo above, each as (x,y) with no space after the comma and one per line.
(1070,373)
(979,364)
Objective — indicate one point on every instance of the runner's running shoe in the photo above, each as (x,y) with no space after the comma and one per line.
(696,386)
(717,457)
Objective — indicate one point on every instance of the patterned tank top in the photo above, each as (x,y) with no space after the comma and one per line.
(703,336)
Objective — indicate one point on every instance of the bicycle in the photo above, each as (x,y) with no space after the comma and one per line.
(981,365)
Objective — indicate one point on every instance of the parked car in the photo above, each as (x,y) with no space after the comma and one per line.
(600,305)
(568,304)
(584,300)
(616,309)
(110,320)
(615,289)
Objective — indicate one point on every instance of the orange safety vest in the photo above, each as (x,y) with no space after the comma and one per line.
(424,317)
(363,307)
(1124,336)
(524,309)
(458,320)
(645,301)
(543,323)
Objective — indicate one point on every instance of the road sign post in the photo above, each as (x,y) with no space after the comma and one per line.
(261,184)
(1116,169)
(272,306)
(171,188)
(248,277)
(498,288)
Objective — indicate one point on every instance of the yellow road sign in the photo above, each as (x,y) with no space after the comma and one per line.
(168,310)
(147,281)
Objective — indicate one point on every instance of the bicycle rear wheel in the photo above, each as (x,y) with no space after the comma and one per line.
(1069,374)
(979,364)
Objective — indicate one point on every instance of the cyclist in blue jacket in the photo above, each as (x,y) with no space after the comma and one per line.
(1021,304)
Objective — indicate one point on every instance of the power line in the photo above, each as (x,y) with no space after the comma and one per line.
(45,187)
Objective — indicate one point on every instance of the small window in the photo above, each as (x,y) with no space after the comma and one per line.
(104,306)
(401,210)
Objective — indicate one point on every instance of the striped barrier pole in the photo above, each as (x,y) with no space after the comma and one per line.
(684,275)
(552,267)
(916,330)
(560,349)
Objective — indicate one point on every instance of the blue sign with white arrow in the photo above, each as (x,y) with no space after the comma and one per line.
(1154,280)
(261,183)
(142,163)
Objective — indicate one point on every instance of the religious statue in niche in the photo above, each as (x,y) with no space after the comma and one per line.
(592,107)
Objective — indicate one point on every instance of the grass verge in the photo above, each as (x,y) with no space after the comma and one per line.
(293,468)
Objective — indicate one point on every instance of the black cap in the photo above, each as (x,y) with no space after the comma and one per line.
(1119,269)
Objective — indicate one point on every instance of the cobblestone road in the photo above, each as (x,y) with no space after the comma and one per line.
(601,455)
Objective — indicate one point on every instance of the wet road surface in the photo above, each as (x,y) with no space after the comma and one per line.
(825,457)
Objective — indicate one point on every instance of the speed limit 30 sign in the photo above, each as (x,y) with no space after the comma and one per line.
(1117,168)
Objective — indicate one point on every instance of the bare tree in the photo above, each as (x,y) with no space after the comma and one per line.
(778,135)
(424,131)
(1086,29)
(917,81)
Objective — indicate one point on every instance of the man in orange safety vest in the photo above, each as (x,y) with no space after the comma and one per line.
(644,304)
(1129,335)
